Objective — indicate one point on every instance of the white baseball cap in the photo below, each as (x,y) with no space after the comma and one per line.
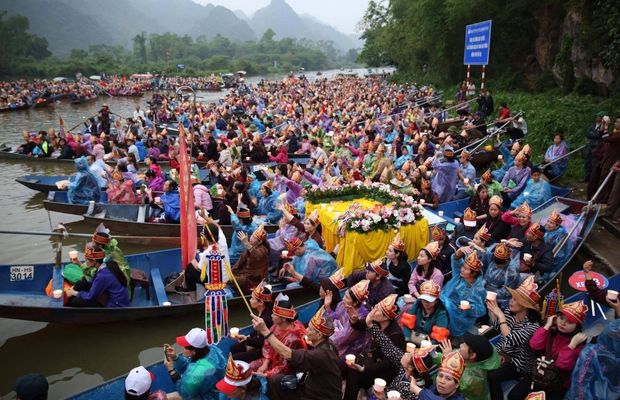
(427,297)
(195,338)
(138,381)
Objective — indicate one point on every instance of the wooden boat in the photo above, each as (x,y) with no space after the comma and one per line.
(131,220)
(453,209)
(114,388)
(57,201)
(81,100)
(481,157)
(443,126)
(16,108)
(43,183)
(22,293)
(8,153)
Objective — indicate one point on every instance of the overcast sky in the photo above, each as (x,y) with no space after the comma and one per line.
(341,14)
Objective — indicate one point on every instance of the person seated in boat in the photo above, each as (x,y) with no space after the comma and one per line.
(558,149)
(446,249)
(466,175)
(479,202)
(427,196)
(154,182)
(397,265)
(285,232)
(446,175)
(497,228)
(347,312)
(463,296)
(197,370)
(403,158)
(121,190)
(516,178)
(554,234)
(310,260)
(202,197)
(102,238)
(536,255)
(380,286)
(66,152)
(30,142)
(310,228)
(467,228)
(564,331)
(480,358)
(519,219)
(427,268)
(239,383)
(99,169)
(383,317)
(334,284)
(427,318)
(501,272)
(516,323)
(253,265)
(288,330)
(109,285)
(267,203)
(138,386)
(84,188)
(537,191)
(241,221)
(169,201)
(506,159)
(249,348)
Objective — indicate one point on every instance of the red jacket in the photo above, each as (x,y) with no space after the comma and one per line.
(565,357)
(281,157)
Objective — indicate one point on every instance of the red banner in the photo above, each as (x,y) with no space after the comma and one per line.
(186,194)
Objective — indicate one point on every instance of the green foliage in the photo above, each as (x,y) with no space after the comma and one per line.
(17,45)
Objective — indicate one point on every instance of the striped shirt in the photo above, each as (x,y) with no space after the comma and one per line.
(517,343)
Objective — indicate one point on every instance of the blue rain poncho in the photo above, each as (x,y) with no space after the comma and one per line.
(172,206)
(267,206)
(84,187)
(498,280)
(316,263)
(458,289)
(198,379)
(535,193)
(237,247)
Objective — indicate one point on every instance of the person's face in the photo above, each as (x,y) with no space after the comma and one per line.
(277,320)
(551,225)
(237,393)
(529,236)
(446,385)
(428,306)
(390,253)
(372,276)
(536,176)
(524,219)
(300,251)
(314,336)
(483,193)
(347,299)
(166,186)
(423,258)
(557,139)
(308,227)
(564,325)
(493,211)
(188,353)
(254,302)
(464,351)
(466,272)
(463,159)
(514,306)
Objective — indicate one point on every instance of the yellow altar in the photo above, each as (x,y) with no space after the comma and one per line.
(355,248)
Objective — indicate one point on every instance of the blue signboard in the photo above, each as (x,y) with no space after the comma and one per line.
(477,43)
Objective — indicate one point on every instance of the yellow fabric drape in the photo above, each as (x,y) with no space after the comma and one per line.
(355,249)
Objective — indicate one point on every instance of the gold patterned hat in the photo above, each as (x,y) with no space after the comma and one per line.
(555,217)
(259,234)
(487,177)
(524,209)
(536,396)
(537,230)
(360,290)
(263,292)
(453,364)
(575,312)
(388,306)
(238,373)
(484,234)
(337,278)
(469,217)
(377,266)
(321,323)
(473,262)
(429,291)
(433,249)
(398,244)
(438,233)
(502,252)
(526,294)
(497,200)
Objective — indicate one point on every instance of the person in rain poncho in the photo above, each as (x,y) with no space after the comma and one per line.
(444,182)
(310,260)
(85,187)
(537,191)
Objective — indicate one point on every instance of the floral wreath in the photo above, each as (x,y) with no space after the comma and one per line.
(397,209)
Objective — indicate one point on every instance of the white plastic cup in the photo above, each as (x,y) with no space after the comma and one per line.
(440,213)
(408,298)
(425,343)
(466,181)
(166,304)
(422,201)
(465,305)
(73,256)
(393,395)
(500,157)
(527,257)
(457,220)
(410,347)
(284,253)
(379,385)
(247,159)
(350,359)
(491,295)
(612,295)
(58,293)
(234,332)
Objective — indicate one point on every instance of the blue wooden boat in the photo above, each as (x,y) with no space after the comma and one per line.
(43,183)
(114,388)
(453,209)
(22,293)
(57,201)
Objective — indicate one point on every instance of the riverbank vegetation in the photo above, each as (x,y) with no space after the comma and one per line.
(25,55)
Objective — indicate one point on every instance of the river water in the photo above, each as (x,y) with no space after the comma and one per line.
(73,357)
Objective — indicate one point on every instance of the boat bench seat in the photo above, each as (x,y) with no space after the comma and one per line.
(158,284)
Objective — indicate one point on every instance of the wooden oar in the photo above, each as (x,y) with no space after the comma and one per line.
(156,240)
(543,166)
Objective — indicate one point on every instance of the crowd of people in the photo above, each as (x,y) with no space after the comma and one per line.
(395,322)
